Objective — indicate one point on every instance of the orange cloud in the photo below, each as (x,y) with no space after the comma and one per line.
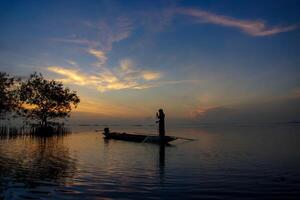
(126,76)
(148,75)
(100,55)
(72,75)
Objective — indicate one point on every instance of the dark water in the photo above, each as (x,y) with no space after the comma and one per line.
(224,163)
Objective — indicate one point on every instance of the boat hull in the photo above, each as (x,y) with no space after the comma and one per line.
(138,138)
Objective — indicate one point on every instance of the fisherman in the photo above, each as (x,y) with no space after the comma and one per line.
(106,131)
(161,122)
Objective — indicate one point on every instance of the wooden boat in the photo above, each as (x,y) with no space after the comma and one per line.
(138,138)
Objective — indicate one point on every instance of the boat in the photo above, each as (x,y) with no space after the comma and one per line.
(138,138)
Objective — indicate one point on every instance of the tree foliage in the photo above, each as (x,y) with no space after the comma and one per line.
(46,100)
(8,95)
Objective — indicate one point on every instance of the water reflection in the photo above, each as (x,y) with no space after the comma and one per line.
(258,163)
(135,159)
(31,162)
(162,162)
(162,155)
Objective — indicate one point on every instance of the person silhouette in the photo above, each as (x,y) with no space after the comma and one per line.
(161,122)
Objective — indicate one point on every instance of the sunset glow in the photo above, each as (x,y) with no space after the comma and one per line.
(199,61)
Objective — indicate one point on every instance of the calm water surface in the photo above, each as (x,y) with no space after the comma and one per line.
(224,163)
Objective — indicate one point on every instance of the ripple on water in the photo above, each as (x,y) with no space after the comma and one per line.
(220,165)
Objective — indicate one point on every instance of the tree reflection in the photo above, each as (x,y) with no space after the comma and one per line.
(34,161)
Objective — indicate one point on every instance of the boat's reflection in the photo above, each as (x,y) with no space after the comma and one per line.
(161,155)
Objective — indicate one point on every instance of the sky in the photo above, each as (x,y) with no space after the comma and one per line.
(201,61)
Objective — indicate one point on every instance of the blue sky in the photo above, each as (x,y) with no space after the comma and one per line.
(126,59)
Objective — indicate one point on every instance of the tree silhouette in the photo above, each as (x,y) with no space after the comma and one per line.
(46,100)
(8,100)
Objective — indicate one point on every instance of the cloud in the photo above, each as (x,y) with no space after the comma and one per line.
(126,76)
(156,20)
(285,109)
(251,27)
(73,63)
(104,33)
(148,75)
(213,113)
(109,31)
(75,40)
(71,75)
(130,72)
(100,55)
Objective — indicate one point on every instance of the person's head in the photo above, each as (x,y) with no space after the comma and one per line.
(160,111)
(106,130)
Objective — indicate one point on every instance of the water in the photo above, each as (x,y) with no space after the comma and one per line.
(224,163)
